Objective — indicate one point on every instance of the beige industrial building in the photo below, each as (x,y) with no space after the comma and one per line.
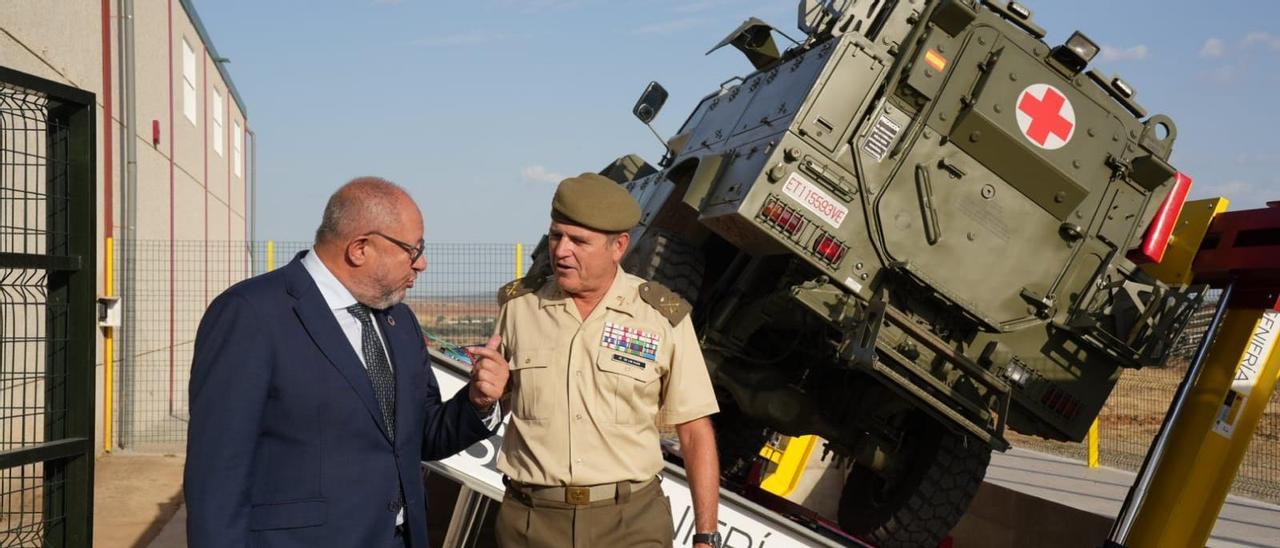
(173,128)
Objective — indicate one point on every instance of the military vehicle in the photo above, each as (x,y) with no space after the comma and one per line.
(912,230)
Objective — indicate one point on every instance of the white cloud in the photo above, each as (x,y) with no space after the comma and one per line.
(667,27)
(540,174)
(1266,40)
(472,38)
(1224,75)
(1135,53)
(1213,48)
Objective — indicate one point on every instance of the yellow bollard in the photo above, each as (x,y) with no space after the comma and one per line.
(1094,461)
(271,255)
(1208,442)
(108,349)
(519,260)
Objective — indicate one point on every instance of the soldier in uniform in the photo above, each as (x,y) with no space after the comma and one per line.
(600,359)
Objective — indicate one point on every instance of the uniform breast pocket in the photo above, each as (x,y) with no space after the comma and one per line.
(530,383)
(628,385)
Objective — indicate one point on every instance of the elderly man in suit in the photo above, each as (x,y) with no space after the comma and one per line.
(312,396)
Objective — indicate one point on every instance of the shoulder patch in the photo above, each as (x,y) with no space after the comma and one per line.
(671,305)
(519,287)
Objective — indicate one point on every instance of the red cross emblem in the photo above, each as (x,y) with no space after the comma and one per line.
(1045,116)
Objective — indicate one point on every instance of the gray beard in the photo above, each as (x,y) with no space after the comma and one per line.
(387,300)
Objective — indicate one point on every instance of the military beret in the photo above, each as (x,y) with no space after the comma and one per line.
(596,202)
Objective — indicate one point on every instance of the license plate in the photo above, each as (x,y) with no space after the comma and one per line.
(815,200)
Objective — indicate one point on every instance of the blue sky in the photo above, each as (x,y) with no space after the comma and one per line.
(478,107)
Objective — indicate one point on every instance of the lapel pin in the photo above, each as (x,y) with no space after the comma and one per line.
(391,321)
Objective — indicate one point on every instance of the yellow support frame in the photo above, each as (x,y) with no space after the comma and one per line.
(1208,442)
(1193,224)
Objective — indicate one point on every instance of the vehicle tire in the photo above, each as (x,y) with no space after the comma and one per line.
(926,500)
(664,257)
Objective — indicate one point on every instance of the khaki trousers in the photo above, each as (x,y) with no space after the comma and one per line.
(639,519)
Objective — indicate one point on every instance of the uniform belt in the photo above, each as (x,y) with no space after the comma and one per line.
(577,495)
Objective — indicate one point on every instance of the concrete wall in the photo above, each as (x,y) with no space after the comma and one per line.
(188,193)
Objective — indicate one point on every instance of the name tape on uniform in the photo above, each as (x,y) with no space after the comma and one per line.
(629,361)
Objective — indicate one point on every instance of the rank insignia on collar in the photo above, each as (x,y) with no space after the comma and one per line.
(630,340)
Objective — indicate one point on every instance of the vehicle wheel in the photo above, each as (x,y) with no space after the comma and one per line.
(666,258)
(932,491)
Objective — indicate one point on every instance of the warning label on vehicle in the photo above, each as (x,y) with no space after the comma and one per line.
(882,137)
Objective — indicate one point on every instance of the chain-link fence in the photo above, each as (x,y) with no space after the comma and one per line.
(454,300)
(173,285)
(1133,414)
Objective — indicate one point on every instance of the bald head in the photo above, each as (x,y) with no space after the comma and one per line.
(370,239)
(362,205)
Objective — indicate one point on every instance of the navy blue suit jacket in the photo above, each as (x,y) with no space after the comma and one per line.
(286,445)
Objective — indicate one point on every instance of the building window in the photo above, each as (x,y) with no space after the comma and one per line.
(188,81)
(237,148)
(219,128)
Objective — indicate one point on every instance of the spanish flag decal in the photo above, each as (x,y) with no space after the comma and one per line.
(935,60)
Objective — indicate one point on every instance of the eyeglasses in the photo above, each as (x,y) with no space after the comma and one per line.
(414,251)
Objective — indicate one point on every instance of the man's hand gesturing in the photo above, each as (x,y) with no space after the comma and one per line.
(489,373)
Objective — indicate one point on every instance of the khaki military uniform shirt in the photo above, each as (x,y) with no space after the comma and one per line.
(587,395)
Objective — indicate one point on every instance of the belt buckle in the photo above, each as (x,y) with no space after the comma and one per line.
(577,495)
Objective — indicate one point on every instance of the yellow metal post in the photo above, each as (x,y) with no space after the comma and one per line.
(1094,461)
(1209,439)
(108,350)
(519,260)
(271,255)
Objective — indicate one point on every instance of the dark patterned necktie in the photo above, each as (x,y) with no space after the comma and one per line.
(377,366)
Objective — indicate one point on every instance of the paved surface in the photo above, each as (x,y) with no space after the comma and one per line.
(174,535)
(1101,491)
(134,497)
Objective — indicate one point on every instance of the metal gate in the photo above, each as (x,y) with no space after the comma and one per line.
(47,312)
